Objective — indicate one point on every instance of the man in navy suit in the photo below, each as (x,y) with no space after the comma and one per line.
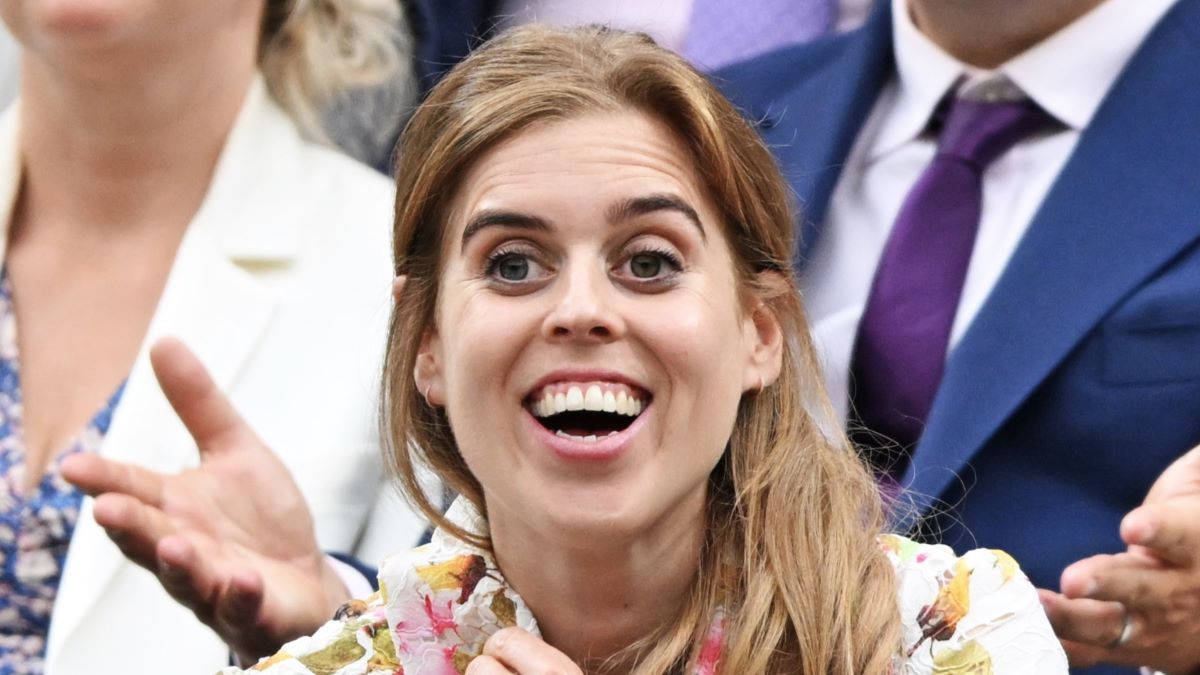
(1071,384)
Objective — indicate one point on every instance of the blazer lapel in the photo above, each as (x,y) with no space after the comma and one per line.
(216,305)
(10,170)
(219,311)
(1129,195)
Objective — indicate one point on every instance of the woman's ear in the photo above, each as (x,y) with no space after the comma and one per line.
(427,373)
(398,287)
(764,336)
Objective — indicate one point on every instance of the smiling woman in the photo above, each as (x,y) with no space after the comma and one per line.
(598,343)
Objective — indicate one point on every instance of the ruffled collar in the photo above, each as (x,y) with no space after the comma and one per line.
(443,601)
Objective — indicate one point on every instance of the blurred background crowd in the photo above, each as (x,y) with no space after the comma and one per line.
(435,35)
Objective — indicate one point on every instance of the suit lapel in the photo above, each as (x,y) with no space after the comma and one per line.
(835,102)
(215,305)
(1123,207)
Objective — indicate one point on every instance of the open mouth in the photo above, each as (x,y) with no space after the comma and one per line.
(587,412)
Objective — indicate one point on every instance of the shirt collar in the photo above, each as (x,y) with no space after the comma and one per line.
(1067,74)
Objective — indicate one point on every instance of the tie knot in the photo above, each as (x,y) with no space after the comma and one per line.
(978,132)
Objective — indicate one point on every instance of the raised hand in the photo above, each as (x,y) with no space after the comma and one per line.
(1140,607)
(513,651)
(231,539)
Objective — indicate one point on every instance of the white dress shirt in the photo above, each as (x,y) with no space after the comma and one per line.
(1068,75)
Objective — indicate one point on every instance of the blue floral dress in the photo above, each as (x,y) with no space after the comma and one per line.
(35,526)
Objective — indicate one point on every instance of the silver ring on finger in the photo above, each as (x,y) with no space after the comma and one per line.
(1126,630)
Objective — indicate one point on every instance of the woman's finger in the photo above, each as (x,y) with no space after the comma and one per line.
(238,603)
(526,654)
(134,527)
(96,475)
(210,418)
(188,568)
(486,665)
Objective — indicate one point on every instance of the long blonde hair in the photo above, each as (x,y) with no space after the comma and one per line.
(790,556)
(312,51)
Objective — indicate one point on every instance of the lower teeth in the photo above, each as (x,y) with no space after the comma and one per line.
(590,438)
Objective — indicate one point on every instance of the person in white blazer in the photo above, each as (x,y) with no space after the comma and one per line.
(152,184)
(9,65)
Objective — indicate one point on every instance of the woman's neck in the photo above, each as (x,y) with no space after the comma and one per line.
(593,600)
(124,140)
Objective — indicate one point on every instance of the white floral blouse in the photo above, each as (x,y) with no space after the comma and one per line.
(437,605)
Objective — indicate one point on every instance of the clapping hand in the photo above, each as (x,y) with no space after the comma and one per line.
(1140,607)
(231,539)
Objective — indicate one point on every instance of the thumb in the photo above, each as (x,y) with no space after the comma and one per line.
(207,414)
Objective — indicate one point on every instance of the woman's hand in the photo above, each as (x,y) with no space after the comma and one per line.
(231,539)
(512,651)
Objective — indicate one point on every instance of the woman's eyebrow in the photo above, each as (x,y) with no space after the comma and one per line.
(640,206)
(492,218)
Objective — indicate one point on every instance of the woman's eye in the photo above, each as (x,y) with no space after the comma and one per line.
(513,267)
(651,266)
(645,265)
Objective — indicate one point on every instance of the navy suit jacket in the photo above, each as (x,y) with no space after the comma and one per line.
(445,31)
(1079,380)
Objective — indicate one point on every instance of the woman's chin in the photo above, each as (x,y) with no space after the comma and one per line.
(589,518)
(79,20)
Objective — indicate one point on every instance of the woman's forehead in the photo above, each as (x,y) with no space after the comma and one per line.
(585,161)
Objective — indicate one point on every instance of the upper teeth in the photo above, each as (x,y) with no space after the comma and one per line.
(592,398)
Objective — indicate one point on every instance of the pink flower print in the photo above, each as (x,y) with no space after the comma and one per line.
(440,623)
(710,651)
(423,622)
(430,658)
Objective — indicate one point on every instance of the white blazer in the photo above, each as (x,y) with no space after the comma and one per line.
(281,287)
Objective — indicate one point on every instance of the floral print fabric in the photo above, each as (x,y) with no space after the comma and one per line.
(971,615)
(35,525)
(436,606)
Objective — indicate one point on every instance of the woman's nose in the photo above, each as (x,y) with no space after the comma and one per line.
(584,308)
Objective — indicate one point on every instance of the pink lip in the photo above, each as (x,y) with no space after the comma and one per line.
(603,450)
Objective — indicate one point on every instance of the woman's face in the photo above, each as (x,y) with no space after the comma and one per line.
(591,347)
(87,26)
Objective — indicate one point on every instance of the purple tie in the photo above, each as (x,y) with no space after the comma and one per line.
(723,32)
(904,334)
